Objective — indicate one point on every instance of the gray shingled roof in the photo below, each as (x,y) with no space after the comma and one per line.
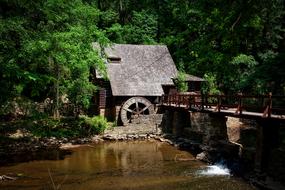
(193,78)
(142,71)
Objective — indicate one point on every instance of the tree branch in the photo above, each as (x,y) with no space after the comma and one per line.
(237,20)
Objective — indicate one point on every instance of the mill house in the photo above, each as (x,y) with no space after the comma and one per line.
(138,76)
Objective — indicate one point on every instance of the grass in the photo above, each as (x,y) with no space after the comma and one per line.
(83,126)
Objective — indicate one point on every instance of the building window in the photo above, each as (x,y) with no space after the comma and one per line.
(114,59)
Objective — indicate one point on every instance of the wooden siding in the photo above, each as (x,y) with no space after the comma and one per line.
(102,98)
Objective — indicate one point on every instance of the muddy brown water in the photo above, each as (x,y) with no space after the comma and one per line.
(141,165)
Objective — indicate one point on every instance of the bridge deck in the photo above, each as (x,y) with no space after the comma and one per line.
(265,107)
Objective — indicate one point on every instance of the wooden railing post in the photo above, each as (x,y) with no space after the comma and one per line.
(239,108)
(268,108)
(218,107)
(177,100)
(206,101)
(219,103)
(189,101)
(270,104)
(202,101)
(262,102)
(240,104)
(184,101)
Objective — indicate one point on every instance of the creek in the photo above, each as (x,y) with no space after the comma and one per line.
(138,165)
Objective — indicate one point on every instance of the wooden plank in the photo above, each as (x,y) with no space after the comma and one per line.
(102,98)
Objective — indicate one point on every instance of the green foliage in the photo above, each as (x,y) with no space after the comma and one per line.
(210,86)
(50,128)
(68,127)
(59,128)
(45,45)
(244,69)
(47,51)
(180,82)
(227,38)
(97,124)
(45,127)
(142,29)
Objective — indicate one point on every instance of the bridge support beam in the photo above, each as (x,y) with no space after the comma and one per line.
(167,120)
(268,140)
(174,121)
(181,120)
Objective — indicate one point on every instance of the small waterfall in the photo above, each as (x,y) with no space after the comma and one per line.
(215,170)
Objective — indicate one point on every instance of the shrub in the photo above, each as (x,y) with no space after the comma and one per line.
(97,124)
(48,127)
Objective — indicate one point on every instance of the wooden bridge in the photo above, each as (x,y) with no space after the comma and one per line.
(243,106)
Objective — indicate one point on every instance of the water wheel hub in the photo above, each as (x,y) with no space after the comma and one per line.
(135,109)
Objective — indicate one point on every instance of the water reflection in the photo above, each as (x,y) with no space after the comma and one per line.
(116,166)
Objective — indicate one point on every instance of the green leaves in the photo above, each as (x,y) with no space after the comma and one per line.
(244,66)
(142,29)
(180,82)
(97,124)
(247,60)
(210,87)
(49,48)
(226,39)
(238,44)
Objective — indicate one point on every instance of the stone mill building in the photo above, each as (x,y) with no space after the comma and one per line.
(138,76)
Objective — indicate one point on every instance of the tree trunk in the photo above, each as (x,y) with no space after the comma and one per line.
(56,109)
(56,87)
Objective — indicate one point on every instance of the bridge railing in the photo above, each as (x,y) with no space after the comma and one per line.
(264,104)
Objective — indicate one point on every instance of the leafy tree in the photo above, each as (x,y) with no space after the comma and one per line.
(209,36)
(244,67)
(51,49)
(46,44)
(133,22)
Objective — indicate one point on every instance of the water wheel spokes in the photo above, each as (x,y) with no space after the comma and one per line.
(144,109)
(129,110)
(134,109)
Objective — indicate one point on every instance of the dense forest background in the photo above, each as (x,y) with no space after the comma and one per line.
(238,46)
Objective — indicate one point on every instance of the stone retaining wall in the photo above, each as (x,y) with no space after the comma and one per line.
(146,127)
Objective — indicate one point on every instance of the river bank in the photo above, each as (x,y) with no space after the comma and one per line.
(22,147)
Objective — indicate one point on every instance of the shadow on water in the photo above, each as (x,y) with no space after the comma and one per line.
(17,150)
(16,158)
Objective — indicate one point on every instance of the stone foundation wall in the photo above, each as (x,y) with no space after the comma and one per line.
(244,133)
(210,131)
(211,127)
(262,146)
(150,125)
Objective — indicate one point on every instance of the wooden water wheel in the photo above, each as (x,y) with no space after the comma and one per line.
(135,109)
